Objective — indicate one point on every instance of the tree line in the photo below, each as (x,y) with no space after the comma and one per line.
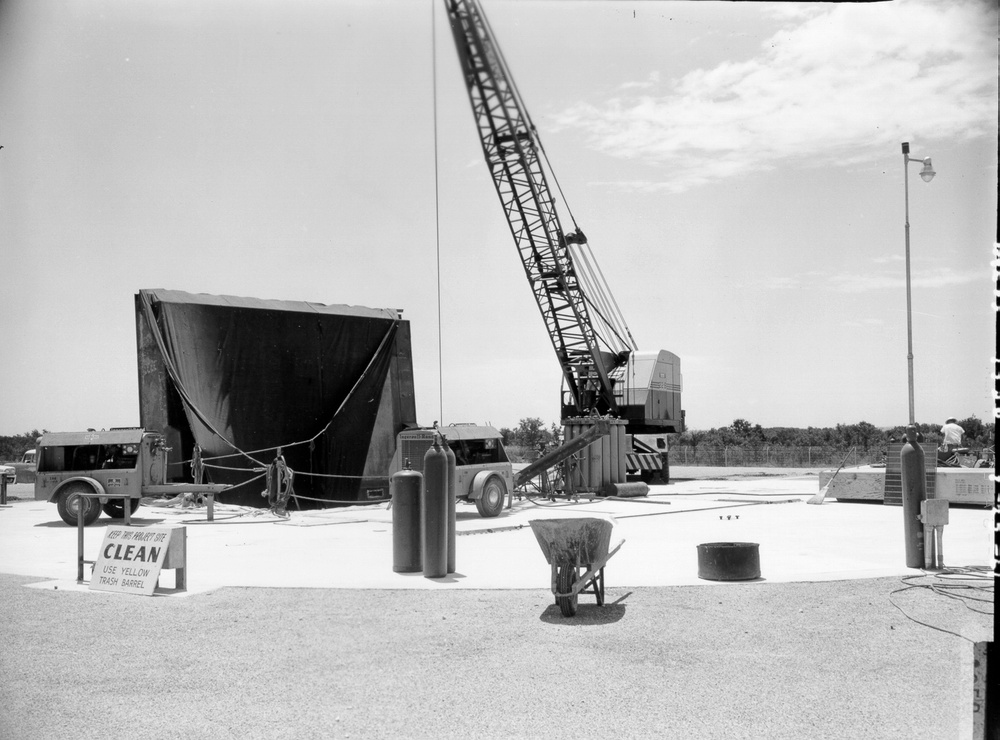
(863,435)
(13,447)
(532,433)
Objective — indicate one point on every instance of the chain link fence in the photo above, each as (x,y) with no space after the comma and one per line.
(771,457)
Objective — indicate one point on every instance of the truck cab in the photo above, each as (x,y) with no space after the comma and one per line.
(483,473)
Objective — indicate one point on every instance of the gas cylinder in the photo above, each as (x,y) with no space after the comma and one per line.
(450,454)
(404,488)
(914,485)
(434,511)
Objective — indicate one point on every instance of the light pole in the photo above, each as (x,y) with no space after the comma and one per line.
(926,174)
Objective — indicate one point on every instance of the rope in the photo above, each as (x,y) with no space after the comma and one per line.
(279,485)
(340,501)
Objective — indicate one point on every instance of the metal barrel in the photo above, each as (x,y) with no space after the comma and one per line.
(615,459)
(595,462)
(452,475)
(729,561)
(404,488)
(606,460)
(914,485)
(434,511)
(622,447)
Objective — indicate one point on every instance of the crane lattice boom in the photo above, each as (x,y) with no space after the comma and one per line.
(600,365)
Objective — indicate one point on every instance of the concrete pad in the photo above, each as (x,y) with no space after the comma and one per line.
(352,547)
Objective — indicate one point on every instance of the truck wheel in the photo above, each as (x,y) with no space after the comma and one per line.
(494,492)
(564,584)
(70,501)
(116,508)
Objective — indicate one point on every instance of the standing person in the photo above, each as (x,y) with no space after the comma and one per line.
(952,434)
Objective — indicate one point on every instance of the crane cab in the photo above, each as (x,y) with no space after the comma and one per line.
(648,391)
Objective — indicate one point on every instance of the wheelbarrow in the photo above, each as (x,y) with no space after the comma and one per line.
(571,546)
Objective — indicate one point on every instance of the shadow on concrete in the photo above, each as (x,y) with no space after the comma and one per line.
(59,523)
(586,615)
(102,523)
(450,578)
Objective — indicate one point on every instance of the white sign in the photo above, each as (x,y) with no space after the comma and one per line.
(130,559)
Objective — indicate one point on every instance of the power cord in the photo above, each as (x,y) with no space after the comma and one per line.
(950,590)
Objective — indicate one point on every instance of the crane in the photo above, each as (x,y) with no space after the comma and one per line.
(603,370)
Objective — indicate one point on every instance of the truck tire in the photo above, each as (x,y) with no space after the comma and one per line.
(115,508)
(69,500)
(490,504)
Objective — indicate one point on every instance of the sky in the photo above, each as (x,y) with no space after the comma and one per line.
(736,167)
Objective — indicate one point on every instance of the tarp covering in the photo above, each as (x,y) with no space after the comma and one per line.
(252,376)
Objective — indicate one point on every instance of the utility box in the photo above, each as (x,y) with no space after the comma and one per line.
(934,512)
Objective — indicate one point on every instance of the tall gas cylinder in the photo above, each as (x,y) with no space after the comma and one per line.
(914,485)
(434,511)
(404,488)
(452,482)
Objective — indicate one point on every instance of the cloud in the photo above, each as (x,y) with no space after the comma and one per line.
(867,323)
(936,278)
(862,282)
(853,77)
(651,81)
(888,259)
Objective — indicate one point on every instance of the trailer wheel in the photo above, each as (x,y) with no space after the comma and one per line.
(494,492)
(116,508)
(70,501)
(564,584)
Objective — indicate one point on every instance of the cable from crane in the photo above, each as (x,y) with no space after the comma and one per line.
(437,209)
(607,307)
(600,302)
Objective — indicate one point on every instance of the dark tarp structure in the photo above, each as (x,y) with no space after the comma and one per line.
(331,386)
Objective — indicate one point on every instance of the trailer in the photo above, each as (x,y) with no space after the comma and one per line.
(85,473)
(483,472)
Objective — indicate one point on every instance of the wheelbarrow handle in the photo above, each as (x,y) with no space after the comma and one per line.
(586,578)
(612,552)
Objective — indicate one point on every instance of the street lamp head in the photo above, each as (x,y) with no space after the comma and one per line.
(927,173)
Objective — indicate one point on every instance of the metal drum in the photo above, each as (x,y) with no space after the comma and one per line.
(729,561)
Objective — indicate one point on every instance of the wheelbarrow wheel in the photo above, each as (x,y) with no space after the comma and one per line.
(565,580)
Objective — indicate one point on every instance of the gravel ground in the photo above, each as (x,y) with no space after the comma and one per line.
(754,660)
